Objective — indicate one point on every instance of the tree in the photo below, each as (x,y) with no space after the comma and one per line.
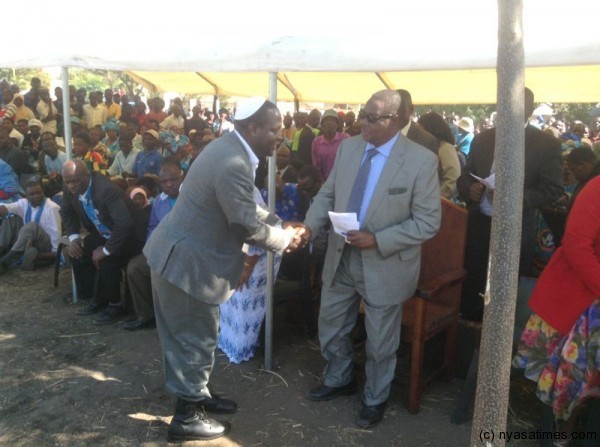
(22,76)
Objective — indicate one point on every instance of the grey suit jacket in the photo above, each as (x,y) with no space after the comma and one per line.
(403,213)
(198,245)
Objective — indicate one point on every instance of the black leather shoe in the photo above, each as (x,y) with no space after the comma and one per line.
(218,405)
(111,315)
(137,325)
(325,392)
(370,415)
(92,308)
(189,424)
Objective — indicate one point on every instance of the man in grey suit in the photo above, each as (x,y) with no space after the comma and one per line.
(196,259)
(398,209)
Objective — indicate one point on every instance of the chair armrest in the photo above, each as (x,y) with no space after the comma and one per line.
(432,288)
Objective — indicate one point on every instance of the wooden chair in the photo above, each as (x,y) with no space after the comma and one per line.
(435,306)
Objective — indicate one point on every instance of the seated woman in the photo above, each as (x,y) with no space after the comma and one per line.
(242,316)
(560,346)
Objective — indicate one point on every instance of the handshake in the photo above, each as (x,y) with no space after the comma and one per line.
(300,235)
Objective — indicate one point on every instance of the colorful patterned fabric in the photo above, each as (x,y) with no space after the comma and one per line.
(566,369)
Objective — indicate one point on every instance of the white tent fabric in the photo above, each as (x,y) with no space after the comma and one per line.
(400,41)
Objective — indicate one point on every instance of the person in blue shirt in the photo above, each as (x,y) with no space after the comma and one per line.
(464,135)
(138,272)
(148,161)
(9,183)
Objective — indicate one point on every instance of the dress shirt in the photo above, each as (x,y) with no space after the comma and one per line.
(251,155)
(43,110)
(147,163)
(377,164)
(94,115)
(50,220)
(324,152)
(171,121)
(56,164)
(113,111)
(160,208)
(123,163)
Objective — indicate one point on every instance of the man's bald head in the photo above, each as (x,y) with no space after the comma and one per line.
(391,100)
(76,176)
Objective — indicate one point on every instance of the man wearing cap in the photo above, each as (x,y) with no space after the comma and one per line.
(33,137)
(148,160)
(16,158)
(325,146)
(195,255)
(464,135)
(391,183)
(47,112)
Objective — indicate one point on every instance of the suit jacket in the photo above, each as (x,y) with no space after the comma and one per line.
(403,213)
(420,136)
(115,211)
(543,176)
(198,245)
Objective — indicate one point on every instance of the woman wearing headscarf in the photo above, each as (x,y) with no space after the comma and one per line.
(111,141)
(22,112)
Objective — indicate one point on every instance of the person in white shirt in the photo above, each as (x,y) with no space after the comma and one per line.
(47,112)
(125,158)
(174,119)
(94,114)
(32,231)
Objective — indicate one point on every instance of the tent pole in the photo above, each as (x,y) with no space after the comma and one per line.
(491,404)
(68,143)
(270,255)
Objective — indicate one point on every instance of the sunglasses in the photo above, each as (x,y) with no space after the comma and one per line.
(372,118)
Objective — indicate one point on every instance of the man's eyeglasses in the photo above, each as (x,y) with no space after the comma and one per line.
(372,118)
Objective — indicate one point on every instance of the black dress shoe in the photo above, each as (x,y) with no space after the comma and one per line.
(92,308)
(370,415)
(325,392)
(111,315)
(218,405)
(189,424)
(137,325)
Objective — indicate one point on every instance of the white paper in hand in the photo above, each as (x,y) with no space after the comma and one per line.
(489,182)
(343,222)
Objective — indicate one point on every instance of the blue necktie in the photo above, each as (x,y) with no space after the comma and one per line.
(360,184)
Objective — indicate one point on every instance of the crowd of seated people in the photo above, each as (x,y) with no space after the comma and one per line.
(126,140)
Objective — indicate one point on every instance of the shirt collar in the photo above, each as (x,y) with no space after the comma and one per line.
(84,196)
(404,130)
(386,147)
(251,155)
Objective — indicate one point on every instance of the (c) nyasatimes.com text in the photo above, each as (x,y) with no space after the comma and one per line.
(489,435)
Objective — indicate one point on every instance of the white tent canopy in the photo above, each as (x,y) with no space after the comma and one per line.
(442,52)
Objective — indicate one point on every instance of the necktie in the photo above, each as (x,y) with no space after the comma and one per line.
(360,184)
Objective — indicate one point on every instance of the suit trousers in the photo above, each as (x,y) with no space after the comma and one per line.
(103,285)
(9,229)
(477,252)
(339,310)
(188,331)
(140,286)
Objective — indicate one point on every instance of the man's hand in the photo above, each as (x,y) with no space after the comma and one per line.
(361,239)
(476,191)
(299,235)
(3,210)
(97,256)
(76,249)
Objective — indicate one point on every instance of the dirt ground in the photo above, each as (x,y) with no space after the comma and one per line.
(66,382)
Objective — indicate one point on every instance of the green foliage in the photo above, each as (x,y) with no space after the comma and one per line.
(22,76)
(91,80)
(572,112)
(475,111)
